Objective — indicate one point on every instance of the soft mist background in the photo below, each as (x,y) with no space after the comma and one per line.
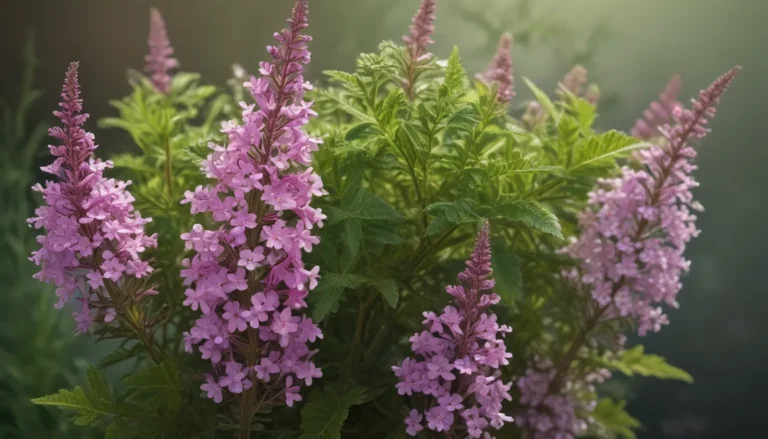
(631,49)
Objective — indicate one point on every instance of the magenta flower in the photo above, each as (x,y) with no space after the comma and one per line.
(247,275)
(457,357)
(422,27)
(93,237)
(630,252)
(660,112)
(160,59)
(500,71)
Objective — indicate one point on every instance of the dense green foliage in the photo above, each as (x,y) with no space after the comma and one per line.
(411,170)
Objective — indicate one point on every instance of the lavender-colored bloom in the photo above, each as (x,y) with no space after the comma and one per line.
(659,113)
(457,357)
(634,234)
(247,276)
(573,81)
(561,415)
(500,71)
(160,59)
(422,26)
(93,237)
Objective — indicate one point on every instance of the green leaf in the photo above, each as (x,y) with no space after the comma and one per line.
(595,149)
(360,131)
(382,236)
(99,390)
(545,101)
(526,212)
(327,295)
(89,412)
(327,409)
(611,415)
(120,355)
(455,76)
(353,237)
(157,386)
(449,214)
(636,362)
(388,289)
(367,206)
(507,272)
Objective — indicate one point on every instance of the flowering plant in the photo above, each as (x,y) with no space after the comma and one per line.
(306,243)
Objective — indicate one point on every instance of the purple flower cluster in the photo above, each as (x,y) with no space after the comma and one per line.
(500,71)
(160,59)
(93,238)
(422,26)
(574,82)
(561,415)
(660,112)
(458,357)
(247,277)
(633,240)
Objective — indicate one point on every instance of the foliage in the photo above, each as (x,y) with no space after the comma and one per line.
(415,155)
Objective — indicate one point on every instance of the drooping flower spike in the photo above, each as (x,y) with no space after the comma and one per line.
(422,27)
(160,61)
(457,358)
(500,71)
(634,234)
(93,241)
(246,276)
(659,112)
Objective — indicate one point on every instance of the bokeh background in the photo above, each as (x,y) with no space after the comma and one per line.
(631,49)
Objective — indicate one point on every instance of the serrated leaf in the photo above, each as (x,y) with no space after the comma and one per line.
(615,419)
(447,214)
(636,362)
(76,399)
(327,409)
(455,76)
(157,386)
(507,272)
(121,354)
(327,295)
(353,237)
(360,131)
(388,289)
(595,149)
(526,212)
(99,391)
(382,236)
(367,206)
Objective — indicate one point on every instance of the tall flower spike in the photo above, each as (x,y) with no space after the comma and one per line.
(160,59)
(659,112)
(93,238)
(500,70)
(457,358)
(422,26)
(634,234)
(246,276)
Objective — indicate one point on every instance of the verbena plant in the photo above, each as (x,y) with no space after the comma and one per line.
(311,245)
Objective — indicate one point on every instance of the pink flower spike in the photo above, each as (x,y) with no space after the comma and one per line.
(160,59)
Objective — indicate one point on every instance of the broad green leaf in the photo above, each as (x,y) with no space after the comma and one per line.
(612,415)
(327,409)
(353,237)
(367,206)
(636,362)
(121,354)
(382,236)
(89,412)
(157,386)
(447,214)
(360,131)
(526,212)
(544,100)
(388,289)
(327,295)
(99,390)
(595,149)
(507,272)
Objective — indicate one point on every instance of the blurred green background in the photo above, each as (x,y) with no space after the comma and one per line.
(631,49)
